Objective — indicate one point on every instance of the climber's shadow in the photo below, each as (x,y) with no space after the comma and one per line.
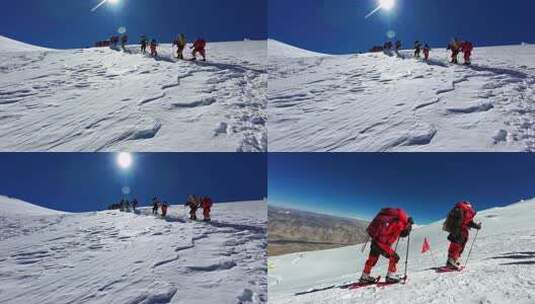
(517,257)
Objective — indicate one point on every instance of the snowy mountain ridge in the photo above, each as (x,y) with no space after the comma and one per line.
(500,269)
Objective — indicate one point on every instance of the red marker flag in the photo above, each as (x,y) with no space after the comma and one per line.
(425,246)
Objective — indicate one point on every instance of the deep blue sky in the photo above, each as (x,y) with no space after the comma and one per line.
(338,26)
(91,181)
(69,23)
(425,184)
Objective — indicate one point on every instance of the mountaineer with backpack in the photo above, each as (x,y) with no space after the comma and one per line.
(164,207)
(153,48)
(193,203)
(180,43)
(206,205)
(144,42)
(417,49)
(199,46)
(427,49)
(459,221)
(385,229)
(455,47)
(155,205)
(467,47)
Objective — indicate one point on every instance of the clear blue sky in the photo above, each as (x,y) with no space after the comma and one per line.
(91,181)
(70,23)
(425,184)
(339,26)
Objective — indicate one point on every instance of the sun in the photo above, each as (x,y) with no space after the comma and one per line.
(124,160)
(387,4)
(113,1)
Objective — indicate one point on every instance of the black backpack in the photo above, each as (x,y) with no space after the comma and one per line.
(453,222)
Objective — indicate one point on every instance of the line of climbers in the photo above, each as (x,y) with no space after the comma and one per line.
(456,47)
(193,202)
(198,46)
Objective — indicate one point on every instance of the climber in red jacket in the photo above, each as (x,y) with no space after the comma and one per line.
(206,205)
(385,229)
(459,221)
(199,46)
(467,47)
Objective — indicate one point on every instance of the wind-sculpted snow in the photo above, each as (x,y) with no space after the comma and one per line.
(501,268)
(118,257)
(101,99)
(376,102)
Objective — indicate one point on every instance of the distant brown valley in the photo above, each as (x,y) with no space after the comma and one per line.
(293,230)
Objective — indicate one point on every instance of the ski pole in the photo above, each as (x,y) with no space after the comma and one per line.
(472,246)
(407,257)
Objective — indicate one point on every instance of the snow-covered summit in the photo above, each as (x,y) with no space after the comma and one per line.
(500,270)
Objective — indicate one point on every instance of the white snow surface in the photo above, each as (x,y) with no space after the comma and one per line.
(100,99)
(501,268)
(376,102)
(119,257)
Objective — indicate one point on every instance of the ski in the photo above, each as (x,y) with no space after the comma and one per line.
(378,284)
(357,285)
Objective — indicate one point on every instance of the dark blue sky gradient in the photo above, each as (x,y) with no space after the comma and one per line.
(91,181)
(425,184)
(338,26)
(70,24)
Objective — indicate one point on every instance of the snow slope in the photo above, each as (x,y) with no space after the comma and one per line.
(116,257)
(375,102)
(501,268)
(100,99)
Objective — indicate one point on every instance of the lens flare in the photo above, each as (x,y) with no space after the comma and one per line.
(124,160)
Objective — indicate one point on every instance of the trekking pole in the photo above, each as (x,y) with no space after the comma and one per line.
(407,258)
(472,246)
(396,247)
(366,243)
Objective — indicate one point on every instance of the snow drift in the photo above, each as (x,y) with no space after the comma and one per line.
(501,268)
(101,99)
(382,102)
(118,257)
